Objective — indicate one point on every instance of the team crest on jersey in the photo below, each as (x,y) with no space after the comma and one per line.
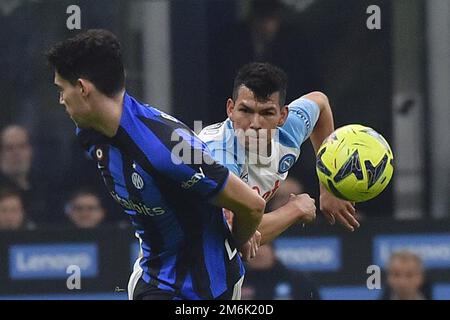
(286,163)
(137,180)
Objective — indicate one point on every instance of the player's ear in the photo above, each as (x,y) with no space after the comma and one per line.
(284,114)
(230,108)
(84,86)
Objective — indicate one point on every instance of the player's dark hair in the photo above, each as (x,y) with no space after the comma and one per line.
(94,55)
(263,79)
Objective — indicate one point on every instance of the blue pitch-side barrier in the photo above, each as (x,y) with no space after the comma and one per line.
(35,263)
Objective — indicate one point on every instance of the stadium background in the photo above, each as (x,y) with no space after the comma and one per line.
(180,56)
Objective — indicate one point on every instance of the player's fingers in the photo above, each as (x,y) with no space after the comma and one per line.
(258,239)
(254,249)
(248,254)
(344,222)
(351,208)
(351,219)
(330,218)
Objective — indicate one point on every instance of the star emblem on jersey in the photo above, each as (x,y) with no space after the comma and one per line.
(286,163)
(137,180)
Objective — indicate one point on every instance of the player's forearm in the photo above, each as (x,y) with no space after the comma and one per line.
(325,123)
(244,226)
(247,206)
(276,222)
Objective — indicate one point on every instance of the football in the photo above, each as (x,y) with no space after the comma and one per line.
(355,163)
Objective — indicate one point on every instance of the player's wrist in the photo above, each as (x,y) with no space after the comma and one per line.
(294,209)
(322,189)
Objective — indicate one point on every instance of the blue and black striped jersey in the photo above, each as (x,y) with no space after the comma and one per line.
(162,175)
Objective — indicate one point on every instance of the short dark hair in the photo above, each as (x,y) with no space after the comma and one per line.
(94,55)
(263,79)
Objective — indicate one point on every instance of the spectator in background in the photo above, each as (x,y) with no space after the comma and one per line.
(406,278)
(79,173)
(12,213)
(84,210)
(16,154)
(268,279)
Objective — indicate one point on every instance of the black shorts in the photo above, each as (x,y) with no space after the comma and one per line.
(145,291)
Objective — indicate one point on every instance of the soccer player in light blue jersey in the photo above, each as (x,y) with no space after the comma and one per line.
(261,139)
(187,250)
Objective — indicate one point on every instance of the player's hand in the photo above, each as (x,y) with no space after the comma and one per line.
(229,217)
(337,209)
(305,206)
(250,248)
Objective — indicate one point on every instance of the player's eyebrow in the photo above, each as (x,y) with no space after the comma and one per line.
(269,108)
(263,109)
(57,85)
(242,104)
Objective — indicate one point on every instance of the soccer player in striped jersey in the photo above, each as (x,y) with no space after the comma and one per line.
(261,139)
(174,202)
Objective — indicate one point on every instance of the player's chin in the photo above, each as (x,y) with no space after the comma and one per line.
(252,143)
(78,121)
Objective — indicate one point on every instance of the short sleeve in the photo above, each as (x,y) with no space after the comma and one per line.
(303,115)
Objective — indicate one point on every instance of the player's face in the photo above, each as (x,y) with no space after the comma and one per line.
(257,119)
(72,98)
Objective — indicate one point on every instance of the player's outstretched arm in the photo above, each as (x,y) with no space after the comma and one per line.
(325,123)
(332,207)
(247,206)
(300,208)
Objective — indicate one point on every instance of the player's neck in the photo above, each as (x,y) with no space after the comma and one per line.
(108,115)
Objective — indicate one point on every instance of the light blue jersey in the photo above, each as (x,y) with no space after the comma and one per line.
(266,177)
